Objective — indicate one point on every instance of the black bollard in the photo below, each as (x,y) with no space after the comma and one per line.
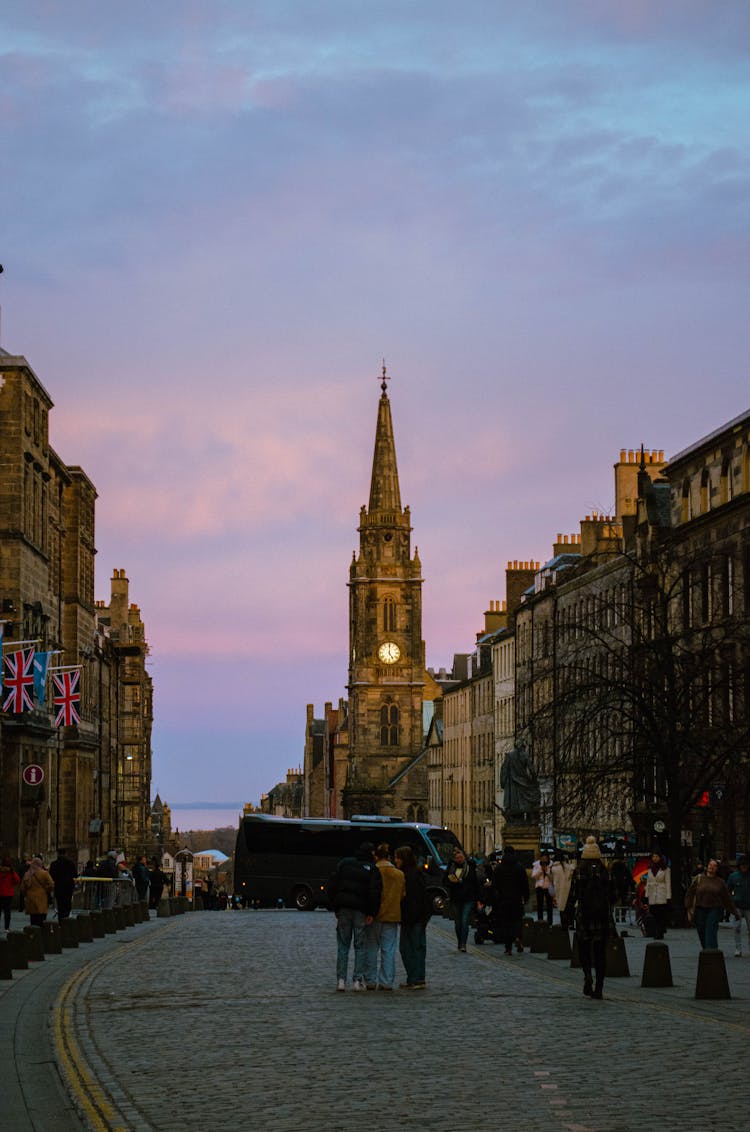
(33,933)
(164,909)
(97,927)
(51,937)
(558,943)
(539,937)
(119,914)
(657,969)
(18,947)
(527,931)
(85,928)
(6,968)
(712,981)
(69,933)
(107,921)
(617,958)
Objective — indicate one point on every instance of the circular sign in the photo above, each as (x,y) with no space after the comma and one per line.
(659,827)
(33,774)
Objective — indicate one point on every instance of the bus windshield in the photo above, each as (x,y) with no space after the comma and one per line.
(444,843)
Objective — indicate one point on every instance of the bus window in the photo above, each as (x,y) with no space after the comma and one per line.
(444,843)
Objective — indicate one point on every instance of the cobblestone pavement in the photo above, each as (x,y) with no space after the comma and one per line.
(231,1020)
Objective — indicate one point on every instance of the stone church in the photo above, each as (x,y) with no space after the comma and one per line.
(369,756)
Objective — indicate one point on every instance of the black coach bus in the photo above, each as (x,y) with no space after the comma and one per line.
(289,860)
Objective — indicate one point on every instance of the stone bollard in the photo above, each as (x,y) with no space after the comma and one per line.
(539,937)
(617,958)
(575,958)
(197,900)
(145,913)
(97,927)
(136,910)
(119,914)
(185,904)
(128,911)
(51,937)
(527,930)
(712,981)
(18,947)
(33,934)
(107,921)
(69,933)
(164,910)
(558,943)
(85,928)
(174,905)
(657,969)
(6,969)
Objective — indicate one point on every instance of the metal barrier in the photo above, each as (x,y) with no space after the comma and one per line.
(95,893)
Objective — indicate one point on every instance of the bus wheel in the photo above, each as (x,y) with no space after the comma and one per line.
(437,896)
(302,899)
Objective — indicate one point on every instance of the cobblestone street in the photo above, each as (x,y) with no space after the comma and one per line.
(224,1021)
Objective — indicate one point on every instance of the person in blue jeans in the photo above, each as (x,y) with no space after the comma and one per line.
(738,883)
(415,912)
(463,890)
(705,900)
(354,893)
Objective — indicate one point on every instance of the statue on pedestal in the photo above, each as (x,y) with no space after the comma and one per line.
(521,793)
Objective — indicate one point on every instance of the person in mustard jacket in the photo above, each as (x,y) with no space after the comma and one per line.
(382,933)
(37,886)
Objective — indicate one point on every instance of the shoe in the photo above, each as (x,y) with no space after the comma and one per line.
(597,993)
(419,986)
(389,989)
(462,948)
(519,948)
(508,951)
(588,988)
(358,984)
(341,985)
(738,954)
(371,986)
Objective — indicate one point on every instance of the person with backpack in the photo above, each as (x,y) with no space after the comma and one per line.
(590,900)
(354,893)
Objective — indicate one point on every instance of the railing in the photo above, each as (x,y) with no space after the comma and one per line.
(103,892)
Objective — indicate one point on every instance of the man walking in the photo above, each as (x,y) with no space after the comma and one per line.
(354,893)
(510,891)
(738,884)
(63,873)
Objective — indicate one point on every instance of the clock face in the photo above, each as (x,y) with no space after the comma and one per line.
(389,652)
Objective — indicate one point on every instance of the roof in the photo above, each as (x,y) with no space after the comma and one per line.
(705,441)
(215,853)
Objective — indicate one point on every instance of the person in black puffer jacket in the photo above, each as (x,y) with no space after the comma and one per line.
(354,893)
(463,890)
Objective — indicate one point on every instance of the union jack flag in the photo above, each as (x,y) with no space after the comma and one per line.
(67,698)
(19,681)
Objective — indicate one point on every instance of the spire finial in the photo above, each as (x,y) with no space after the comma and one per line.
(384,378)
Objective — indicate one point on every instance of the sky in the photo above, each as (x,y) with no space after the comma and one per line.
(216,220)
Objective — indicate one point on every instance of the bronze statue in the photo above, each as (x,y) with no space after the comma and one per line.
(521,794)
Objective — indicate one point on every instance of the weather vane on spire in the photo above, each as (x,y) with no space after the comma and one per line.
(384,378)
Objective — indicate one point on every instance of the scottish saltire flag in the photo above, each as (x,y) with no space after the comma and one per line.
(19,681)
(41,661)
(67,698)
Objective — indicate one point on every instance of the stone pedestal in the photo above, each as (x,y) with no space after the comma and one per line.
(522,838)
(657,969)
(712,981)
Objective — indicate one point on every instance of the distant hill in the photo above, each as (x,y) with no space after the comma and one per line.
(223,839)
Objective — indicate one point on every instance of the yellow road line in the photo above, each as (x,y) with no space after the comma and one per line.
(92,1098)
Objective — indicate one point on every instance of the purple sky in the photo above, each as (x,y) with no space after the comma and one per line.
(216,219)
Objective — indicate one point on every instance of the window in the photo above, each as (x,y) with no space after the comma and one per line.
(687,507)
(705,492)
(726,488)
(389,614)
(389,721)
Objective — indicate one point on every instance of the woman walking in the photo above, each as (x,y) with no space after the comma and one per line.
(706,899)
(9,881)
(658,892)
(590,901)
(37,886)
(463,891)
(414,916)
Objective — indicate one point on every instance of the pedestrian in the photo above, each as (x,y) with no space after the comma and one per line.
(705,900)
(659,892)
(621,881)
(510,891)
(590,900)
(562,875)
(37,886)
(354,893)
(463,890)
(541,874)
(415,912)
(9,882)
(382,933)
(141,877)
(63,873)
(739,889)
(157,880)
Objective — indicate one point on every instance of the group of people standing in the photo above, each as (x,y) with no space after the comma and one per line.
(381,906)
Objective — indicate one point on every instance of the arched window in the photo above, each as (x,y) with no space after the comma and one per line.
(389,614)
(726,486)
(705,491)
(389,718)
(687,507)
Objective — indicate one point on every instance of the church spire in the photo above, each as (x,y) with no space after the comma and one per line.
(385,494)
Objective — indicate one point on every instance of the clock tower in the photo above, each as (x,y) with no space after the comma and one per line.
(386,652)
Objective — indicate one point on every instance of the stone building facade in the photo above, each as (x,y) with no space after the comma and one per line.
(47,553)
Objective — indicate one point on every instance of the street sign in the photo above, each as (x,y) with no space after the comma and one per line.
(33,774)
